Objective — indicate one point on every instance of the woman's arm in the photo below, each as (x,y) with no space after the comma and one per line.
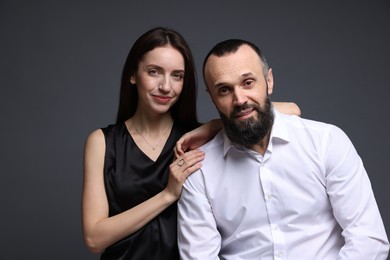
(201,135)
(100,230)
(289,108)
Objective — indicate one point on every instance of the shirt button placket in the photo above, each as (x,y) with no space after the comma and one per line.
(279,255)
(277,235)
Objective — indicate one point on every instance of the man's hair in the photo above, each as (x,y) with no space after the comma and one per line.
(231,46)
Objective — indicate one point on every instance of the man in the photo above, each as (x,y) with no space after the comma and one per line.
(274,186)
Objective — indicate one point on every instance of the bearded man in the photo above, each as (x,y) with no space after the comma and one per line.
(273,186)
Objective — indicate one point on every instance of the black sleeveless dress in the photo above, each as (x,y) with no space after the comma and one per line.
(130,178)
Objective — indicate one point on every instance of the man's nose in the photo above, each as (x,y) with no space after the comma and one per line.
(239,97)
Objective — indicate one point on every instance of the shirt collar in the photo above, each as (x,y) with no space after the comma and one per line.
(279,131)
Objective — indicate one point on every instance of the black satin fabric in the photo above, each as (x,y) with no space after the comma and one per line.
(130,178)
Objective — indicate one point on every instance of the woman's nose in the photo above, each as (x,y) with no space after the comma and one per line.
(164,85)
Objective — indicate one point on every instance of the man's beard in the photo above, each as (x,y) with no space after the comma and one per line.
(251,130)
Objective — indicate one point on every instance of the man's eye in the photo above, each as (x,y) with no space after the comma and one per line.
(223,91)
(248,83)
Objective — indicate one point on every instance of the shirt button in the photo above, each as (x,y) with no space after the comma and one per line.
(275,228)
(279,254)
(269,196)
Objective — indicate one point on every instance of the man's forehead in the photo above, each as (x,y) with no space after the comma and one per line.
(244,53)
(244,61)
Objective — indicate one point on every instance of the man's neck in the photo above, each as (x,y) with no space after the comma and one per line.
(261,146)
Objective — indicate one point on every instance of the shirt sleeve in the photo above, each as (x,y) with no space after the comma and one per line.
(198,237)
(353,201)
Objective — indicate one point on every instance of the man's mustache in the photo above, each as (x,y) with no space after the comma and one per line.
(238,109)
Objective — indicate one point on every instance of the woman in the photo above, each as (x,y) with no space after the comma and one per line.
(131,178)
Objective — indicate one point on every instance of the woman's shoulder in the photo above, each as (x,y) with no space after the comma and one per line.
(110,128)
(99,135)
(96,137)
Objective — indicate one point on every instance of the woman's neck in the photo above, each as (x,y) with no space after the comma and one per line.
(150,133)
(150,125)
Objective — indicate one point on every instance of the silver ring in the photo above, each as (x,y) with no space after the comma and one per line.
(180,163)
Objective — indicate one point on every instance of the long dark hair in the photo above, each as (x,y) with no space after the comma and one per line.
(184,110)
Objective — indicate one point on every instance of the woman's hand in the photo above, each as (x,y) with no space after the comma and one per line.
(180,169)
(197,137)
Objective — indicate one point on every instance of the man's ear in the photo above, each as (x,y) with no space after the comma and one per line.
(270,82)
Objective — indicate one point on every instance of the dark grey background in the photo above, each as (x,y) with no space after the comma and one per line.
(59,74)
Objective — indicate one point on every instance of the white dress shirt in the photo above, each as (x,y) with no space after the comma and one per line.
(308,197)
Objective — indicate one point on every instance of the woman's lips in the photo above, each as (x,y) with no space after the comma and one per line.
(162,99)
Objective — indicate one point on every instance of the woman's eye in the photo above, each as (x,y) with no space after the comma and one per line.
(178,76)
(153,71)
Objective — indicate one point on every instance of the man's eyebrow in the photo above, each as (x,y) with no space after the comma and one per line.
(219,84)
(248,74)
(243,76)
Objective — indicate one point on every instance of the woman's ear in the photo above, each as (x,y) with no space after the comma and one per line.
(132,80)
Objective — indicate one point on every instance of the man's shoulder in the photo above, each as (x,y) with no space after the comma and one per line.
(299,123)
(214,144)
(316,131)
(214,150)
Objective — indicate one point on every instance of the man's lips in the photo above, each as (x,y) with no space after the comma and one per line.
(245,113)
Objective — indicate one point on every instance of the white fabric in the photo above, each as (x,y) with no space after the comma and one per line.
(308,197)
